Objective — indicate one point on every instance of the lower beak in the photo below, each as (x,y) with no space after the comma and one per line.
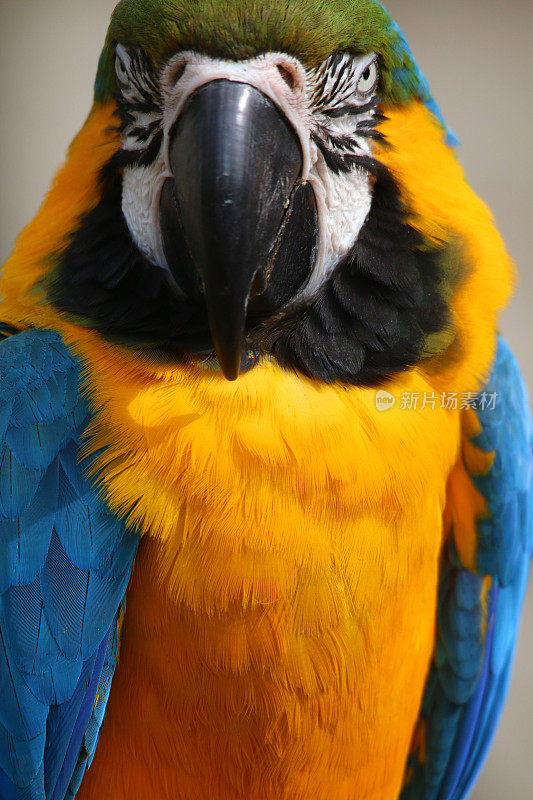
(236,202)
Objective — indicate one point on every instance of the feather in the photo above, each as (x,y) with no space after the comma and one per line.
(21,714)
(37,445)
(18,485)
(26,539)
(75,517)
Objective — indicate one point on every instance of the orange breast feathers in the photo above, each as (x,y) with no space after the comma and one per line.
(281,616)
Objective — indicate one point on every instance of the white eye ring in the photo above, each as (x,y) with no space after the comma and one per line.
(121,71)
(368,80)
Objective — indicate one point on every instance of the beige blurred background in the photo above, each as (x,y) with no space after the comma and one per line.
(477,55)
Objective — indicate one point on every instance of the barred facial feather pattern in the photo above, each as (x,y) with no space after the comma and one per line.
(140,110)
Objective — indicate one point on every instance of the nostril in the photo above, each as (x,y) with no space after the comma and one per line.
(178,72)
(287,76)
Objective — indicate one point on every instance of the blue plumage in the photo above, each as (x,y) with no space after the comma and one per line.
(65,563)
(477,634)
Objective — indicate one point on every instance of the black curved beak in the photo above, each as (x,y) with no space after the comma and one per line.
(236,162)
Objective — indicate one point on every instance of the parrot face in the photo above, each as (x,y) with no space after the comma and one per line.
(250,199)
(249,181)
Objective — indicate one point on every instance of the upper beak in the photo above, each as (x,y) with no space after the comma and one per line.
(236,162)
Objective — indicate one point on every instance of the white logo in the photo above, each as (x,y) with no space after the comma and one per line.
(385,401)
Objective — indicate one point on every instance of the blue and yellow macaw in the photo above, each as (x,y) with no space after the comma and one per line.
(252,382)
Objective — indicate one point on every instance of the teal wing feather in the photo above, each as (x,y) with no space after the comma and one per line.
(65,563)
(470,674)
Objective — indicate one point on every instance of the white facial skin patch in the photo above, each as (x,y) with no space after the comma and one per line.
(331,102)
(141,194)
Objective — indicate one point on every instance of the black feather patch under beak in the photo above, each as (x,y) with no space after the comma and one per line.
(238,227)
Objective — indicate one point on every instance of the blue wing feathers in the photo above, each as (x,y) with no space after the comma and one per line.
(61,728)
(65,563)
(92,730)
(26,539)
(18,485)
(37,446)
(84,705)
(473,660)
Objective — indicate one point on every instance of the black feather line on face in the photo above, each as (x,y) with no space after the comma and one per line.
(336,140)
(351,109)
(335,161)
(137,158)
(338,150)
(370,320)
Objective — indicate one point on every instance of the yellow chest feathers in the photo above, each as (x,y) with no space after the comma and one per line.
(272,468)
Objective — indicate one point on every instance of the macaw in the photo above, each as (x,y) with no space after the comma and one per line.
(253,386)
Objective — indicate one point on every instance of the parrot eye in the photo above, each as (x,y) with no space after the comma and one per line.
(122,72)
(368,80)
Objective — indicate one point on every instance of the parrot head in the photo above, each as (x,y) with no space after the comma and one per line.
(248,209)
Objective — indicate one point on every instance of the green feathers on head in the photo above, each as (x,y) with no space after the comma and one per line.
(239,29)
